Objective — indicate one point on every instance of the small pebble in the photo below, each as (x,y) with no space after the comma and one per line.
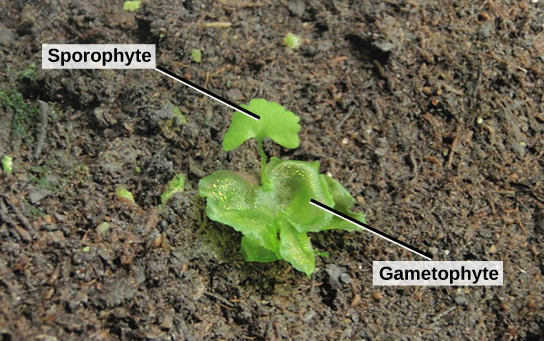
(157,241)
(485,233)
(355,317)
(485,16)
(167,322)
(460,300)
(346,279)
(309,316)
(356,300)
(377,295)
(102,228)
(334,272)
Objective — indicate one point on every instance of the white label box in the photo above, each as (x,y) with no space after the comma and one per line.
(98,56)
(436,273)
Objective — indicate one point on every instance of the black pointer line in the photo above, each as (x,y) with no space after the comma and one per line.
(371,229)
(207,92)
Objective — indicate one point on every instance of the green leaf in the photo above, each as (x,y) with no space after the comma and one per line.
(292,185)
(255,253)
(340,224)
(231,201)
(296,248)
(275,123)
(343,201)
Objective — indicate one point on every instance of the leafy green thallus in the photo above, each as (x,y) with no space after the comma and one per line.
(275,216)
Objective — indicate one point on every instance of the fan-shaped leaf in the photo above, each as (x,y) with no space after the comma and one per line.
(276,123)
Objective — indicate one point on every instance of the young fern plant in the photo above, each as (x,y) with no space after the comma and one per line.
(275,216)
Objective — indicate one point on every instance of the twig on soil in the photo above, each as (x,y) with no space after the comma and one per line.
(219,24)
(220,299)
(443,313)
(492,56)
(207,80)
(44,110)
(19,214)
(4,217)
(351,111)
(414,163)
(454,147)
(240,3)
(27,234)
(525,69)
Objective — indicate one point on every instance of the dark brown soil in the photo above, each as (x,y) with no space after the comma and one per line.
(430,113)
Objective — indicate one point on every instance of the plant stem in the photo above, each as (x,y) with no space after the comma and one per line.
(263,161)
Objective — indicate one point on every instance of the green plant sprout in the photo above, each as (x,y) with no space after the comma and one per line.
(132,6)
(24,116)
(176,185)
(7,164)
(275,217)
(292,41)
(30,73)
(196,55)
(124,195)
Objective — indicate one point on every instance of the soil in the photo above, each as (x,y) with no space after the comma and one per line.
(429,112)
